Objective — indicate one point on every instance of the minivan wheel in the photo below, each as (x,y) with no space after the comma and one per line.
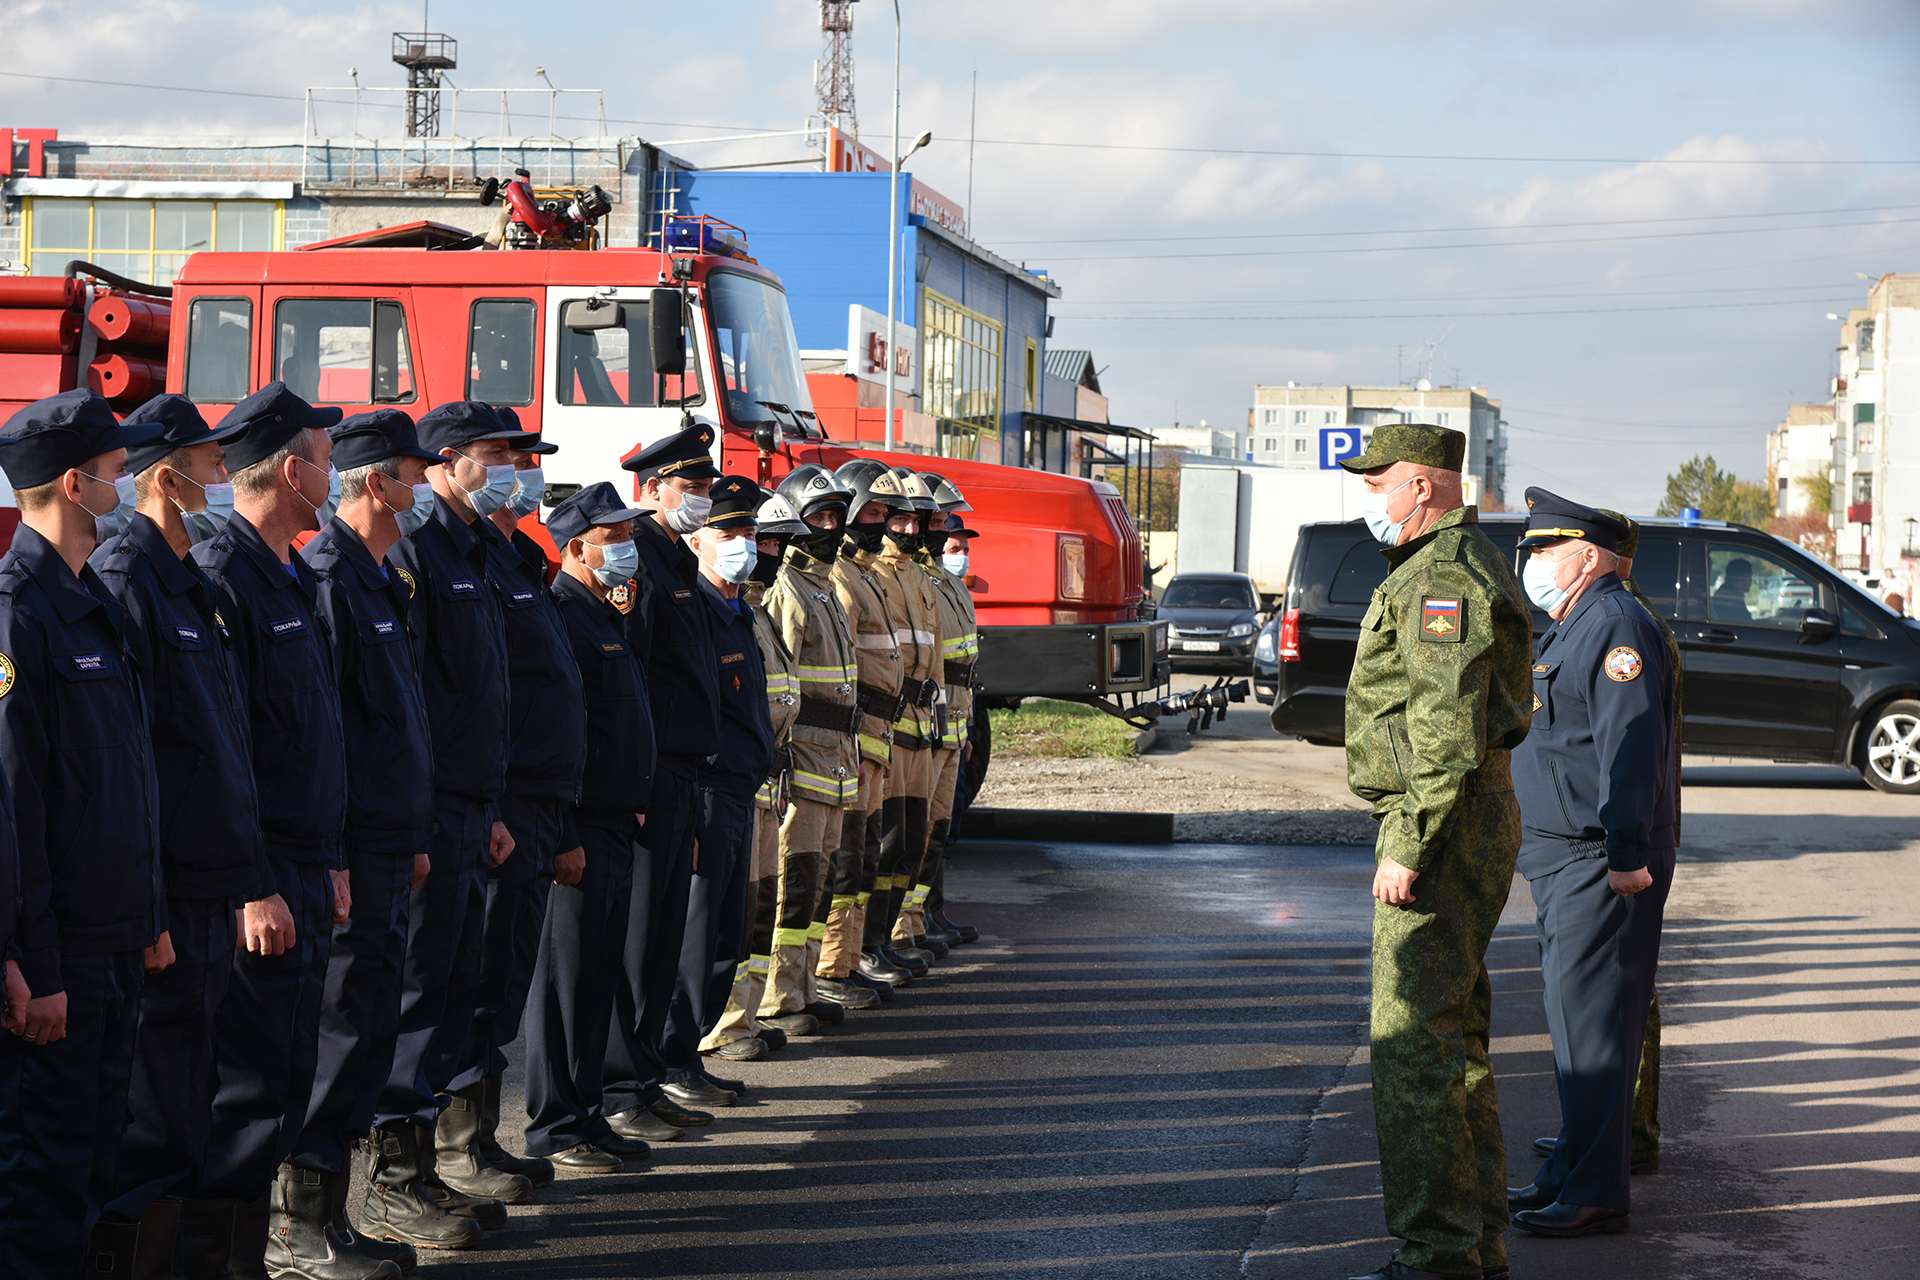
(1890,756)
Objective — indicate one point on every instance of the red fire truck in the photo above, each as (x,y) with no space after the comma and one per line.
(598,349)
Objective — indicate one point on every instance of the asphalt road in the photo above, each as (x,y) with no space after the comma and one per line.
(1154,1065)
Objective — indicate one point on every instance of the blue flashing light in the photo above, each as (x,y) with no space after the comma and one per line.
(705,234)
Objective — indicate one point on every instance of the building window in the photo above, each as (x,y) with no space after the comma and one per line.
(343,350)
(146,240)
(1299,417)
(1330,417)
(960,378)
(1863,438)
(1269,417)
(1863,343)
(1033,373)
(1299,445)
(1862,488)
(1270,444)
(1446,420)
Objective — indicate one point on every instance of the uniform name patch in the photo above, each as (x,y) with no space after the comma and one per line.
(725,658)
(287,626)
(681,594)
(384,627)
(522,596)
(89,661)
(612,646)
(1623,664)
(459,585)
(1440,619)
(190,634)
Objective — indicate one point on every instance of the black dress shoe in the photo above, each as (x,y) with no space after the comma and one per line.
(738,1088)
(1530,1196)
(1401,1271)
(642,1125)
(1568,1220)
(849,994)
(673,1113)
(585,1160)
(872,965)
(626,1148)
(879,986)
(696,1093)
(826,1013)
(773,1037)
(1546,1147)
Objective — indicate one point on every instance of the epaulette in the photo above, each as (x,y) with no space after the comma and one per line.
(12,578)
(1447,545)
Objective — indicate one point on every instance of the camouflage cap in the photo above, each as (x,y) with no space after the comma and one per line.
(1414,442)
(1631,543)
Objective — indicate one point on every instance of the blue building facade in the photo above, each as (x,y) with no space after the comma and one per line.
(980,320)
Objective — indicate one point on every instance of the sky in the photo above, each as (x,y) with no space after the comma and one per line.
(1627,221)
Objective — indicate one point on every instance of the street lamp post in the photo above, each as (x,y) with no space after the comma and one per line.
(893,220)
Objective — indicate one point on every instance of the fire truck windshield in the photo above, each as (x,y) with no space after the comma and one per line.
(759,357)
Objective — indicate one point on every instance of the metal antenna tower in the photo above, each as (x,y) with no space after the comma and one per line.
(425,54)
(833,77)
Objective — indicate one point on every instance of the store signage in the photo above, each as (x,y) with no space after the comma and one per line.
(846,154)
(870,353)
(35,140)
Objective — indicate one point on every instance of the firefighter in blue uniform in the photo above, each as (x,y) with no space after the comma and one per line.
(583,940)
(544,762)
(717,906)
(1596,781)
(383,496)
(267,1031)
(209,814)
(464,675)
(74,745)
(670,629)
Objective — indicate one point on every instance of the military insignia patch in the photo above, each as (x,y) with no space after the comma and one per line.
(407,578)
(1623,664)
(1537,704)
(6,675)
(622,597)
(1440,619)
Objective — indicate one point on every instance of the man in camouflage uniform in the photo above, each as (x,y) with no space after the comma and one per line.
(1440,694)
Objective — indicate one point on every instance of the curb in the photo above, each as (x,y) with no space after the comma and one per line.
(1087,826)
(1143,741)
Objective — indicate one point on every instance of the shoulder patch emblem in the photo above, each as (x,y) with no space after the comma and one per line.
(407,578)
(621,597)
(1623,664)
(1441,618)
(6,675)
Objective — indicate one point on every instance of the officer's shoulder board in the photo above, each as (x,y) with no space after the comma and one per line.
(1443,619)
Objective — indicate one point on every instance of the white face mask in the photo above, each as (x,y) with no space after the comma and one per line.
(1373,509)
(1540,580)
(734,558)
(492,495)
(956,563)
(528,487)
(622,559)
(692,512)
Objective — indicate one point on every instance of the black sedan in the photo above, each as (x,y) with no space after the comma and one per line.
(1214,619)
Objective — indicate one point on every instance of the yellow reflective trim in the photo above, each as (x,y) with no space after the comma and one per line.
(760,964)
(843,901)
(817,932)
(869,641)
(793,937)
(862,899)
(878,748)
(849,669)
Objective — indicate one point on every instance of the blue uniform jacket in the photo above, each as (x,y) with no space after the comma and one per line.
(746,729)
(619,713)
(285,661)
(548,748)
(1596,775)
(73,742)
(210,839)
(382,709)
(671,630)
(463,664)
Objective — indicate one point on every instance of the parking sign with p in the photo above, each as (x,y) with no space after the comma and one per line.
(1337,443)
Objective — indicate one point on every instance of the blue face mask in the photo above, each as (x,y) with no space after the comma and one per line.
(414,518)
(1539,580)
(622,558)
(325,511)
(492,495)
(956,564)
(528,487)
(1384,528)
(202,525)
(115,521)
(734,558)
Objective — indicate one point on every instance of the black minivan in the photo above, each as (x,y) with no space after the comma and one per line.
(1784,658)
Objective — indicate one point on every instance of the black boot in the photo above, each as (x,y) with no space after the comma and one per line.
(299,1244)
(964,932)
(400,1202)
(534,1169)
(203,1239)
(110,1250)
(398,1252)
(247,1256)
(457,1157)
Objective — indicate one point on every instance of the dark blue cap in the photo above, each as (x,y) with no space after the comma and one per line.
(367,438)
(272,415)
(182,428)
(512,419)
(594,505)
(69,430)
(736,503)
(461,422)
(1552,518)
(956,527)
(687,453)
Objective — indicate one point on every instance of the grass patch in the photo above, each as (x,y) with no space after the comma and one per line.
(1042,727)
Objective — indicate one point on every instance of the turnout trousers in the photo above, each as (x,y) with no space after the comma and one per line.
(579,971)
(903,841)
(945,781)
(267,1042)
(656,926)
(360,1013)
(797,937)
(63,1107)
(1443,1167)
(442,965)
(845,888)
(1598,952)
(171,1092)
(514,909)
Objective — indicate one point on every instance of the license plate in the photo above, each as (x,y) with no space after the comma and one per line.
(1202,646)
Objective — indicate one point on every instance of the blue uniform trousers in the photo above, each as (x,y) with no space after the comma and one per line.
(1597,957)
(266,1039)
(570,1011)
(656,924)
(442,966)
(514,909)
(360,1014)
(173,1073)
(63,1107)
(716,933)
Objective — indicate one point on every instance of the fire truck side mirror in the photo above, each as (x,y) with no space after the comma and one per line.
(669,332)
(591,314)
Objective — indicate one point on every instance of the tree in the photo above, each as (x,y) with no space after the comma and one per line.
(1819,494)
(1718,495)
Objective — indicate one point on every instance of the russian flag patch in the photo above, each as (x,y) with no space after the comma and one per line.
(1441,618)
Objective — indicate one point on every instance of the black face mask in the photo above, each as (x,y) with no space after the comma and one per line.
(907,542)
(867,537)
(764,569)
(822,544)
(934,544)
